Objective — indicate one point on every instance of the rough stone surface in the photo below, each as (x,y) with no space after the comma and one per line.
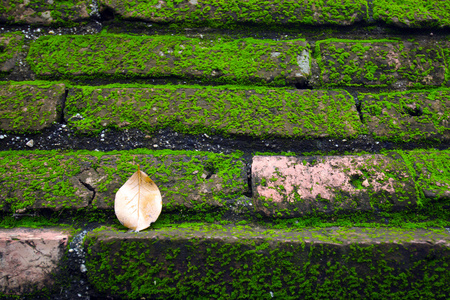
(43,12)
(293,186)
(257,112)
(227,261)
(237,61)
(187,180)
(432,170)
(381,63)
(421,14)
(10,46)
(29,257)
(30,107)
(218,13)
(406,116)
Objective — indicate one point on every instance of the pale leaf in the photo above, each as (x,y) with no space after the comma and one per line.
(138,202)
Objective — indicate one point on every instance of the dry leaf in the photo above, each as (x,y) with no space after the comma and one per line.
(138,202)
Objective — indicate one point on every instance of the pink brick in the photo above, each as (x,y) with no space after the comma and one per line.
(28,257)
(293,186)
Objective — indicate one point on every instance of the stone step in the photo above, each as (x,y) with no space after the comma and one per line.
(229,262)
(65,13)
(227,110)
(30,106)
(198,260)
(10,45)
(381,63)
(222,60)
(227,13)
(421,14)
(282,186)
(90,179)
(394,181)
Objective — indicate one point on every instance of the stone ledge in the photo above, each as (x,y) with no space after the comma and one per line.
(30,106)
(10,46)
(405,116)
(294,186)
(44,12)
(256,112)
(228,13)
(124,56)
(29,257)
(81,179)
(227,261)
(380,63)
(418,14)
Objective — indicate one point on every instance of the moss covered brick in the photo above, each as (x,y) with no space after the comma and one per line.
(248,111)
(42,12)
(412,13)
(10,46)
(296,186)
(236,262)
(30,106)
(406,116)
(380,63)
(227,13)
(72,180)
(124,56)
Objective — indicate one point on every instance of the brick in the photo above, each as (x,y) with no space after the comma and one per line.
(419,15)
(214,261)
(44,12)
(222,14)
(10,47)
(29,257)
(432,170)
(380,63)
(294,186)
(406,116)
(257,112)
(124,56)
(30,107)
(80,179)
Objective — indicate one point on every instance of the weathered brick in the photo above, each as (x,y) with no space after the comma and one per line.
(256,112)
(294,186)
(41,12)
(390,63)
(225,13)
(29,257)
(405,116)
(186,179)
(30,107)
(238,61)
(417,14)
(214,261)
(10,46)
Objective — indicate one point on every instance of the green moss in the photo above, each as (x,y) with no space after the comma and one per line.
(378,63)
(239,261)
(30,106)
(227,110)
(10,45)
(123,56)
(407,116)
(412,13)
(60,12)
(227,14)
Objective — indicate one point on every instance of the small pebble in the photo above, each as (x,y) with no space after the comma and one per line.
(30,143)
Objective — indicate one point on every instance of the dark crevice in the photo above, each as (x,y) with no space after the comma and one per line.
(413,111)
(249,192)
(107,14)
(89,187)
(303,86)
(63,106)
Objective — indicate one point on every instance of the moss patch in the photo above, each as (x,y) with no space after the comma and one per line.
(227,110)
(125,56)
